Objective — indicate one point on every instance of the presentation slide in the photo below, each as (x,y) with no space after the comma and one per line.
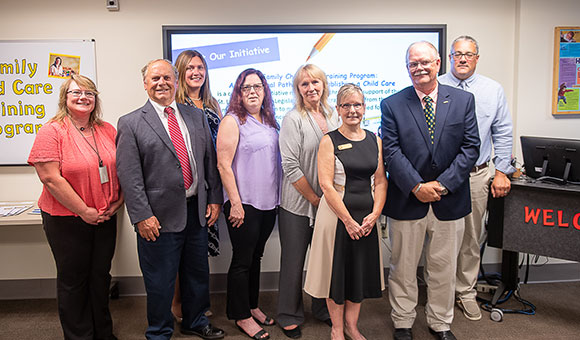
(373,60)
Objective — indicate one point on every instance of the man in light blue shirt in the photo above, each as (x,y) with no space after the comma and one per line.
(495,132)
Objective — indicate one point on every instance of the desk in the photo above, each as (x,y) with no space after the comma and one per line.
(22,219)
(538,218)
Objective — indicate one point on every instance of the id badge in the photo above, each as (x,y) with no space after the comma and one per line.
(103,174)
(345,146)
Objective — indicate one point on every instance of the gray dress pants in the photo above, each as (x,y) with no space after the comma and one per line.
(295,236)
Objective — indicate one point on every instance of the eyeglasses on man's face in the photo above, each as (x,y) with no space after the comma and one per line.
(424,63)
(467,55)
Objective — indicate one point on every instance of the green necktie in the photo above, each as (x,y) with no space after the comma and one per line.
(430,116)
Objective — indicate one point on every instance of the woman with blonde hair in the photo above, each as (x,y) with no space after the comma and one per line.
(74,157)
(345,261)
(302,129)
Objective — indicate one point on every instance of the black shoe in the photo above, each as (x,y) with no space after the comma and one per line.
(403,334)
(261,335)
(268,321)
(293,333)
(207,332)
(443,335)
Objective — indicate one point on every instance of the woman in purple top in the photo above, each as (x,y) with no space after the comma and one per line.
(250,169)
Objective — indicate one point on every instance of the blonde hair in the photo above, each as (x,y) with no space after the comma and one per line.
(86,84)
(347,90)
(315,72)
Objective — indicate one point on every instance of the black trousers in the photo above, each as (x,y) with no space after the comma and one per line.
(83,255)
(248,242)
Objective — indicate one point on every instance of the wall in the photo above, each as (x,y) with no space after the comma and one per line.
(127,39)
(534,76)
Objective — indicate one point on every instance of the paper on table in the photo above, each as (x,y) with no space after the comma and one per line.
(15,209)
(36,211)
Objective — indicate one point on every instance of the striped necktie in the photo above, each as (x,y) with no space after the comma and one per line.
(180,148)
(429,116)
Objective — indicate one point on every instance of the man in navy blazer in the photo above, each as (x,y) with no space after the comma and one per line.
(428,193)
(169,217)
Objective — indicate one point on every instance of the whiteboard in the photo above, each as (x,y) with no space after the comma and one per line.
(29,90)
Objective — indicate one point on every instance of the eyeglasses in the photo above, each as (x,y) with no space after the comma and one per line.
(414,64)
(355,106)
(458,55)
(77,93)
(257,88)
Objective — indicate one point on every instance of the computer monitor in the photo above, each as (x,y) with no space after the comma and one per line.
(552,159)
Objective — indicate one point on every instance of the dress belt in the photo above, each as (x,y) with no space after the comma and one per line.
(480,167)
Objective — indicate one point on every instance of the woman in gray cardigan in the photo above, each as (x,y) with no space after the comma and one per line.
(302,129)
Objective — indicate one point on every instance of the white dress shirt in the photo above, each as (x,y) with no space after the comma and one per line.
(493,118)
(160,109)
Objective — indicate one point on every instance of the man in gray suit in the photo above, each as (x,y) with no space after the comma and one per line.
(166,163)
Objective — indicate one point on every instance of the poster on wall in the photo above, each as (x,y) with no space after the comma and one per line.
(31,73)
(566,88)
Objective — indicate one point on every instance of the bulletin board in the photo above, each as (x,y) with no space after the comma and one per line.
(31,72)
(566,85)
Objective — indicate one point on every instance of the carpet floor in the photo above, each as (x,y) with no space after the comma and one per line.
(557,317)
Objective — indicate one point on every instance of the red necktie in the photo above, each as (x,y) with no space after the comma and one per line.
(180,148)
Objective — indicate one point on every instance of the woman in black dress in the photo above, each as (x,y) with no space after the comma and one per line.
(345,264)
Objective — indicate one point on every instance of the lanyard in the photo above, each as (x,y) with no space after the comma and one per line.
(96,148)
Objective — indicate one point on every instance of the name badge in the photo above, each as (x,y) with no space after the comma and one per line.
(345,146)
(103,174)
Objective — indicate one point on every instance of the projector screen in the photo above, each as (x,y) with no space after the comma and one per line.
(372,57)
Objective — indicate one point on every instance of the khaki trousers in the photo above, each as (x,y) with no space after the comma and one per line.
(468,260)
(443,241)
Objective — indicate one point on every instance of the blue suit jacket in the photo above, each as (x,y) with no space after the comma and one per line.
(410,157)
(150,173)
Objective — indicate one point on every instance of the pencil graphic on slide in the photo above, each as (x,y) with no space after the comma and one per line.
(320,44)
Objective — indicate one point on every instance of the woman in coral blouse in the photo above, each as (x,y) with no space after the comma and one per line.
(74,156)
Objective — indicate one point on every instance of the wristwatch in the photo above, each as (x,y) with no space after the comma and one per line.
(444,191)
